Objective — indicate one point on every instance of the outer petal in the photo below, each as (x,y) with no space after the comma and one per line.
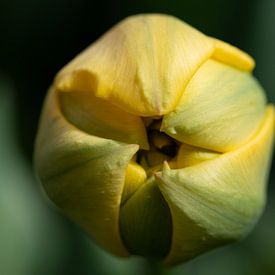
(220,109)
(141,65)
(83,174)
(99,117)
(219,200)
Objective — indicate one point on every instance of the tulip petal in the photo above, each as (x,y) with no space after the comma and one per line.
(145,222)
(232,56)
(220,109)
(142,65)
(135,176)
(219,200)
(190,155)
(83,174)
(98,117)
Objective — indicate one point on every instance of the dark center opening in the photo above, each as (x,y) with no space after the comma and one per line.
(162,147)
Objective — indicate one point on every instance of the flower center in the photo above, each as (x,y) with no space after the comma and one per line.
(162,147)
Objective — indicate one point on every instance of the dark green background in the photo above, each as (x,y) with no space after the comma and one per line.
(38,37)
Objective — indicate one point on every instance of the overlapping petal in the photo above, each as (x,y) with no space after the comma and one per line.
(221,109)
(219,200)
(141,65)
(83,174)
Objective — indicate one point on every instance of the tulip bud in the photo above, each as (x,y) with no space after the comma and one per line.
(157,141)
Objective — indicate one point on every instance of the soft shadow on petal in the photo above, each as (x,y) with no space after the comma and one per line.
(101,118)
(145,222)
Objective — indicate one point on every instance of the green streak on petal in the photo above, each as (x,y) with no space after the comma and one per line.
(145,222)
(221,109)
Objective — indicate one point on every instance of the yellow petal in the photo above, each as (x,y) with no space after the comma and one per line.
(145,222)
(99,117)
(190,155)
(83,174)
(219,200)
(232,56)
(135,176)
(220,109)
(141,65)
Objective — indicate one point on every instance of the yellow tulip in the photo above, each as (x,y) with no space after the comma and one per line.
(157,140)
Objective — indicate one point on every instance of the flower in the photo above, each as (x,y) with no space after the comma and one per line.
(157,140)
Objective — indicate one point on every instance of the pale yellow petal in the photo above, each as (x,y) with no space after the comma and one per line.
(83,174)
(233,56)
(219,200)
(141,65)
(220,109)
(99,117)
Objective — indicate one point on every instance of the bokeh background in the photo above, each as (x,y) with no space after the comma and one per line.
(37,38)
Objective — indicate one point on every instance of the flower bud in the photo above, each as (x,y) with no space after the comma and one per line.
(157,141)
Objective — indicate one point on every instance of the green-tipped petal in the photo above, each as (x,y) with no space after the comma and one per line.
(83,174)
(141,65)
(220,110)
(219,200)
(99,117)
(145,222)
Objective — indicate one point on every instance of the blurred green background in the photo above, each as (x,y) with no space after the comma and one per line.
(37,39)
